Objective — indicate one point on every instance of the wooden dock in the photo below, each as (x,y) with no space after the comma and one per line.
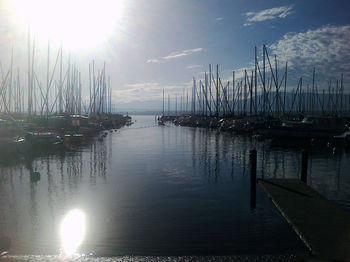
(323,226)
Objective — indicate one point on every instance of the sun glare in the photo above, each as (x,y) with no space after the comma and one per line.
(72,231)
(74,23)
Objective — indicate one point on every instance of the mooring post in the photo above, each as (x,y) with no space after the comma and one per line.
(304,160)
(252,160)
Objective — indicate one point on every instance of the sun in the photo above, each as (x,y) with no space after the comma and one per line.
(73,23)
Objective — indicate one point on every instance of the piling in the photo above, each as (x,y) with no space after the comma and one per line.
(252,161)
(304,161)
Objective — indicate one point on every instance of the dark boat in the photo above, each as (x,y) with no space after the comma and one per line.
(42,138)
(309,127)
(342,140)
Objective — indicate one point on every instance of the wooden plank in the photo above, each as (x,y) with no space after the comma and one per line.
(323,226)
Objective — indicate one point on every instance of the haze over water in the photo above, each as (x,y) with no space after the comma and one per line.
(161,190)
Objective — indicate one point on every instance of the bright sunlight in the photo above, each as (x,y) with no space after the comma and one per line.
(74,23)
(72,231)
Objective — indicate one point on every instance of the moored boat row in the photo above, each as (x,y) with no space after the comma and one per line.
(330,128)
(57,132)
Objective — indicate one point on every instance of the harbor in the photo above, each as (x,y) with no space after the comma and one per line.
(202,194)
(174,130)
(199,150)
(54,158)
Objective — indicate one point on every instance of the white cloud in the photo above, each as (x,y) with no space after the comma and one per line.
(147,91)
(326,48)
(153,61)
(219,19)
(176,54)
(239,74)
(268,14)
(193,66)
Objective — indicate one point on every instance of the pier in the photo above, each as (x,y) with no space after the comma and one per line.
(323,227)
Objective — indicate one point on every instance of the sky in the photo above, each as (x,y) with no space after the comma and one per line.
(154,45)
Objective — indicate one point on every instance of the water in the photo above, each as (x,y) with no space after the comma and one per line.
(160,190)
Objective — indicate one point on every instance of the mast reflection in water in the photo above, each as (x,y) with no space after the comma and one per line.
(159,190)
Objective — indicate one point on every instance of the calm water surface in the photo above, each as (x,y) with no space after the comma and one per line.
(160,190)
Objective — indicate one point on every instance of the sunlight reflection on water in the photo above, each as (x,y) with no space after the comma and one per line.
(72,231)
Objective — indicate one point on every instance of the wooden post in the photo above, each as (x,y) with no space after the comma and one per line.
(304,161)
(252,161)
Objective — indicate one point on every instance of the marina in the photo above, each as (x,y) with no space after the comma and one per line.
(195,202)
(176,184)
(196,197)
(174,130)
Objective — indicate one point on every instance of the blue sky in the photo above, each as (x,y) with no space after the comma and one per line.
(160,45)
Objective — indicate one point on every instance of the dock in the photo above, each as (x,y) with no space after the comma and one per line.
(322,226)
